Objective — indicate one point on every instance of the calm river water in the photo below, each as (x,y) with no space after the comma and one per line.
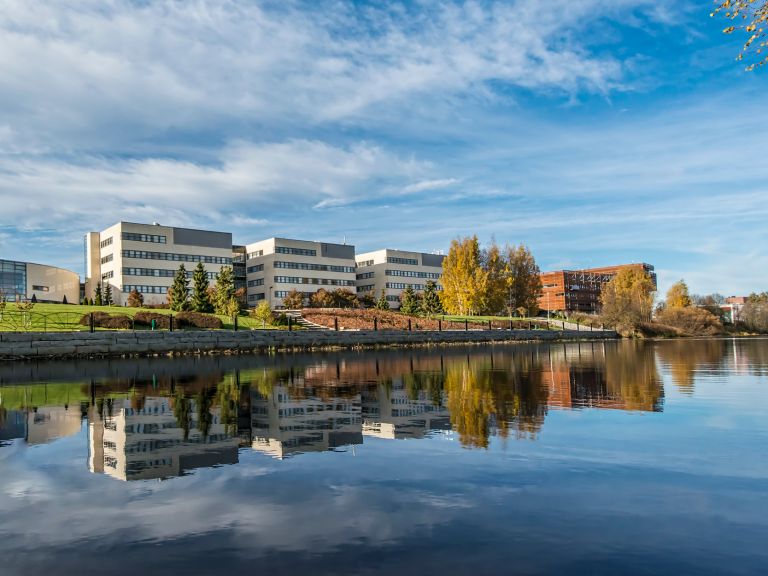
(593,458)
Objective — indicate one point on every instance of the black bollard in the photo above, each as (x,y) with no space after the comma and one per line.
(489,325)
(336,324)
(170,322)
(409,324)
(234,322)
(439,325)
(466,325)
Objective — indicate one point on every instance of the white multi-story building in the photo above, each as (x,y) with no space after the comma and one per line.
(390,411)
(276,266)
(145,257)
(392,271)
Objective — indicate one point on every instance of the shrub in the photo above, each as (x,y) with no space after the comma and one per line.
(692,321)
(198,320)
(104,320)
(145,319)
(135,299)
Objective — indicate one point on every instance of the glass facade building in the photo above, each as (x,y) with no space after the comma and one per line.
(13,279)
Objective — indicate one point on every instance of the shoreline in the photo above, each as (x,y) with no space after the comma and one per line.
(22,346)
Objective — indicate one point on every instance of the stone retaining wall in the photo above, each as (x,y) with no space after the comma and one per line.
(36,345)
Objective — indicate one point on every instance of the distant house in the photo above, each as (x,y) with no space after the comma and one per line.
(732,308)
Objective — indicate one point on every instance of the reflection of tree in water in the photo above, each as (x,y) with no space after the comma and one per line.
(631,377)
(182,410)
(685,357)
(204,416)
(483,401)
(416,382)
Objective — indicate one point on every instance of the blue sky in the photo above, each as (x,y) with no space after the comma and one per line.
(595,131)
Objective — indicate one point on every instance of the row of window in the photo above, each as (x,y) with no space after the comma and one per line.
(255,254)
(108,275)
(364,263)
(409,261)
(295,251)
(413,274)
(284,293)
(257,268)
(256,297)
(161,273)
(145,289)
(367,288)
(318,267)
(366,275)
(320,281)
(144,255)
(154,238)
(105,243)
(257,282)
(401,286)
(107,258)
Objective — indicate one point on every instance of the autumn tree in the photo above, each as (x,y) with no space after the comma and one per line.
(627,299)
(524,280)
(464,279)
(201,301)
(293,300)
(178,295)
(678,296)
(135,299)
(750,17)
(343,298)
(263,313)
(497,274)
(321,299)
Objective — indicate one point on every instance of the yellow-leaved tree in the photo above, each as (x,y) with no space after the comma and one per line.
(464,280)
(678,296)
(751,17)
(524,280)
(627,299)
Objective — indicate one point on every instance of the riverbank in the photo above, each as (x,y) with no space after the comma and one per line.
(42,345)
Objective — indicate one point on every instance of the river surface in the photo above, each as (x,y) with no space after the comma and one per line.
(593,458)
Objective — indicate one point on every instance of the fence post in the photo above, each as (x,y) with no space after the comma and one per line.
(490,327)
(170,322)
(439,325)
(290,324)
(510,325)
(563,326)
(466,325)
(91,323)
(578,327)
(409,324)
(234,321)
(375,324)
(336,323)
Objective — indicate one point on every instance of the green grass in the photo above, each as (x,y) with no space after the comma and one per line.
(66,317)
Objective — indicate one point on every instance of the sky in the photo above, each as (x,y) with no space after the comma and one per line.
(596,132)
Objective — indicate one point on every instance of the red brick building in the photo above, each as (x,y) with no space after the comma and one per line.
(579,290)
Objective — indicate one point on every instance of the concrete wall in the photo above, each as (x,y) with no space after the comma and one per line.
(48,283)
(33,345)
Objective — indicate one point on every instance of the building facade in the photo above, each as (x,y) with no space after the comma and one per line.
(579,290)
(145,257)
(276,266)
(391,271)
(20,281)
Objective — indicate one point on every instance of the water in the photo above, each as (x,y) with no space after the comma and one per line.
(598,458)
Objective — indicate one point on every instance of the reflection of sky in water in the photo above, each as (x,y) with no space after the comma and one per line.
(598,491)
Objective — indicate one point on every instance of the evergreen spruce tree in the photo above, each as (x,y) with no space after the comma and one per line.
(98,301)
(225,290)
(431,302)
(180,290)
(200,300)
(409,302)
(108,295)
(382,303)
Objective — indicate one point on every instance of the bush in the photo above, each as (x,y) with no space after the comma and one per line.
(104,320)
(145,319)
(691,321)
(198,320)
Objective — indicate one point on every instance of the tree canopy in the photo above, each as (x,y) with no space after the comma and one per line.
(750,17)
(678,296)
(627,299)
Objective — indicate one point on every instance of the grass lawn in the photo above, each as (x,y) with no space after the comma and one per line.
(66,317)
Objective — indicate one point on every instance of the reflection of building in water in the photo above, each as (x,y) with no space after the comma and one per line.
(289,420)
(41,424)
(392,412)
(150,442)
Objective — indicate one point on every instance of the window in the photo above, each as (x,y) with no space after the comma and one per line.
(160,273)
(134,237)
(145,289)
(107,258)
(393,298)
(318,281)
(40,288)
(255,254)
(409,261)
(367,288)
(144,255)
(295,251)
(365,276)
(105,243)
(108,275)
(257,268)
(401,286)
(257,282)
(256,297)
(365,263)
(284,293)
